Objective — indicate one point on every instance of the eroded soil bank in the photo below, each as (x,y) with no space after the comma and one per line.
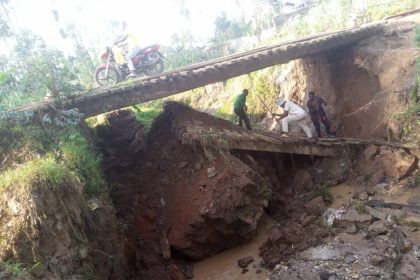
(181,203)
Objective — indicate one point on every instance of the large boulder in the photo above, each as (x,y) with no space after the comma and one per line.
(219,209)
(385,162)
(397,163)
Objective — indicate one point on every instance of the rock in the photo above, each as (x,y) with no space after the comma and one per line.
(407,246)
(183,164)
(363,196)
(370,151)
(331,171)
(244,270)
(211,172)
(352,229)
(307,219)
(408,271)
(370,191)
(222,215)
(417,252)
(320,253)
(397,163)
(175,272)
(83,253)
(378,227)
(315,206)
(376,213)
(352,217)
(197,166)
(377,176)
(302,181)
(258,271)
(415,199)
(369,272)
(349,258)
(165,247)
(188,271)
(244,262)
(376,260)
(331,215)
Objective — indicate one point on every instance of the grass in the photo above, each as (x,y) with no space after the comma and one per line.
(42,156)
(325,192)
(19,269)
(79,157)
(409,119)
(147,113)
(361,208)
(44,171)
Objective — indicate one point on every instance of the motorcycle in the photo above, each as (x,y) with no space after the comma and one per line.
(114,69)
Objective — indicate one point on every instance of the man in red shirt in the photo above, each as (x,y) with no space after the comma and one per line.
(317,113)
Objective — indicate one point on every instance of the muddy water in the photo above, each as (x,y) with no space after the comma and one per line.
(225,265)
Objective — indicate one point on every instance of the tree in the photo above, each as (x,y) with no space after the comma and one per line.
(227,29)
(33,70)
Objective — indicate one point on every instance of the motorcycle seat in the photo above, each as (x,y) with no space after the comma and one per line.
(148,47)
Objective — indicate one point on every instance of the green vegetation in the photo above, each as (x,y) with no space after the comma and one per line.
(410,118)
(245,211)
(146,113)
(413,224)
(323,191)
(18,269)
(361,208)
(264,192)
(38,157)
(43,172)
(79,157)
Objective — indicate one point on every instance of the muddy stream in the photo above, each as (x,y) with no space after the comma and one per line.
(225,265)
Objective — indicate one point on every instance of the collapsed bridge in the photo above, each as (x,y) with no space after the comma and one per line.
(141,90)
(196,128)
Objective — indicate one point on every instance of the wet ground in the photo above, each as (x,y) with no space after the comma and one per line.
(345,254)
(225,265)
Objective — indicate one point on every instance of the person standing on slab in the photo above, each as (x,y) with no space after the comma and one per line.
(317,113)
(239,107)
(292,114)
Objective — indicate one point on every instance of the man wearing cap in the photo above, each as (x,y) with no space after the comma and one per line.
(239,107)
(292,113)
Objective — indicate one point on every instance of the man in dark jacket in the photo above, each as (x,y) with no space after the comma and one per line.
(317,113)
(239,107)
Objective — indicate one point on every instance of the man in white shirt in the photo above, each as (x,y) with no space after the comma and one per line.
(292,113)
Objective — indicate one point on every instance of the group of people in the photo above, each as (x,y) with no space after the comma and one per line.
(292,113)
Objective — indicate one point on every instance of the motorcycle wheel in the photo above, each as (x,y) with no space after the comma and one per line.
(112,78)
(154,69)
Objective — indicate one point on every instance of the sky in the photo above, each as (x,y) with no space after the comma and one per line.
(152,21)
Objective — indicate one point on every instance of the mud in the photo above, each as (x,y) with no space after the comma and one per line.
(225,265)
